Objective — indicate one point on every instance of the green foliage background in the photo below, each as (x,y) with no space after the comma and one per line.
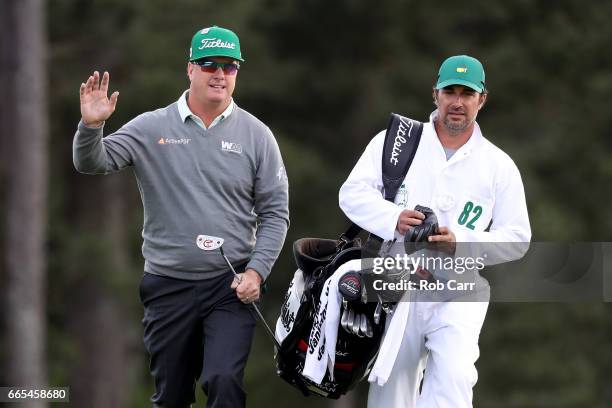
(324,76)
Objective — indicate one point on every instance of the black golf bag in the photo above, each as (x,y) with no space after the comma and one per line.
(317,259)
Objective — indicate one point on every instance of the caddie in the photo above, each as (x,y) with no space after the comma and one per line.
(205,168)
(476,192)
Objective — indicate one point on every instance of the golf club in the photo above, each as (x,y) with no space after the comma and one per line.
(377,313)
(369,331)
(351,320)
(209,243)
(344,320)
(363,327)
(357,325)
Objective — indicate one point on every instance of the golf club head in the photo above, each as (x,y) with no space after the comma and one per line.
(369,331)
(351,320)
(357,324)
(363,326)
(377,313)
(208,242)
(344,320)
(361,322)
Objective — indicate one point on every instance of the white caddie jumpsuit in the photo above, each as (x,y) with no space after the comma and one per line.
(478,187)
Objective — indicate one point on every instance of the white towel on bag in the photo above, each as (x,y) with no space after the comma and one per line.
(290,307)
(321,354)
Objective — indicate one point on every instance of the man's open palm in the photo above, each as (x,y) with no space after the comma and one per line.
(96,107)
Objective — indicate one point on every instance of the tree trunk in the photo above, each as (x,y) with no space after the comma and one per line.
(25,133)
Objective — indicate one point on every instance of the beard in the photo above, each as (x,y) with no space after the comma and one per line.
(456,127)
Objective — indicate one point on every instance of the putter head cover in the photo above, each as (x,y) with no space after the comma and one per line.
(428,227)
(354,318)
(350,285)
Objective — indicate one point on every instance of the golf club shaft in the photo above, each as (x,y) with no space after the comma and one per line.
(268,329)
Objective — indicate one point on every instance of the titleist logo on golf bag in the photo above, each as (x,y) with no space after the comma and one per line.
(400,140)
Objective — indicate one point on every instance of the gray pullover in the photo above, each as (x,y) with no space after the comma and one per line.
(228,181)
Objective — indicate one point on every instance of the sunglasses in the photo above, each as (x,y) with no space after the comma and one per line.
(229,68)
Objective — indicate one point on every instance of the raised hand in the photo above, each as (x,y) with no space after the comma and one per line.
(96,107)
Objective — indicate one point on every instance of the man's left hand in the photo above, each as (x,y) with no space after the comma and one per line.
(446,238)
(247,285)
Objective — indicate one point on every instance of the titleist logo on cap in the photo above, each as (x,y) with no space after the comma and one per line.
(216,43)
(400,140)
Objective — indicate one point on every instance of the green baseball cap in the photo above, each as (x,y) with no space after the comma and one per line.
(215,42)
(462,70)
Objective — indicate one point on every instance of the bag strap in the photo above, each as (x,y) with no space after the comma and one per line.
(401,143)
(351,233)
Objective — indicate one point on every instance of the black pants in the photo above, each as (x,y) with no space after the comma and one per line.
(196,329)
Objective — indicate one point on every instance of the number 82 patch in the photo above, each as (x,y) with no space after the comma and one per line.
(470,214)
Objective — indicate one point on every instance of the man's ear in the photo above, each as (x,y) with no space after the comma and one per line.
(189,70)
(434,95)
(483,99)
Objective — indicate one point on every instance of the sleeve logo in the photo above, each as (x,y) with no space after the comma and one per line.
(281,174)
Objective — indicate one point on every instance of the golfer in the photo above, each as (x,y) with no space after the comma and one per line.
(206,169)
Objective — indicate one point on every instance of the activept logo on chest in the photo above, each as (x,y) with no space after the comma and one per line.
(404,132)
(231,147)
(168,141)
